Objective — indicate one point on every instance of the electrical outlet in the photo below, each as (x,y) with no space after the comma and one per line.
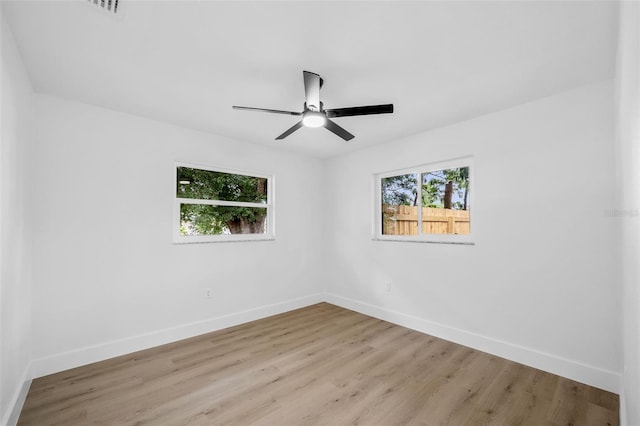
(387,286)
(208,293)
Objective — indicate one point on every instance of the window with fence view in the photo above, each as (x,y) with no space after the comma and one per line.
(215,203)
(428,202)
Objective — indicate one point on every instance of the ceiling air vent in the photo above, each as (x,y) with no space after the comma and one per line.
(110,6)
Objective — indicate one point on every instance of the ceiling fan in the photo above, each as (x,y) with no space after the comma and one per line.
(314,115)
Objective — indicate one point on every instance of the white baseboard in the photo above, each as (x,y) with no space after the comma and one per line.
(593,376)
(587,374)
(64,361)
(17,401)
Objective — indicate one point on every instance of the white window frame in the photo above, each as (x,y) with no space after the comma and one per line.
(190,239)
(423,238)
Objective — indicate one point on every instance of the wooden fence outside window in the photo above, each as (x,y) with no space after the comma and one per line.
(403,220)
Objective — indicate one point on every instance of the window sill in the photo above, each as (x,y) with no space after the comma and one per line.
(222,239)
(425,241)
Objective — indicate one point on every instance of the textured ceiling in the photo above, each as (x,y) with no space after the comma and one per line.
(188,62)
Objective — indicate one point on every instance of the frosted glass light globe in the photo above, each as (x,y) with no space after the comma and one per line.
(313,119)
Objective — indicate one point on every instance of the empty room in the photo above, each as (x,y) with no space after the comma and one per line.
(319,212)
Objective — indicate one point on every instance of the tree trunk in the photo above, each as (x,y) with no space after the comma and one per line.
(241,226)
(448,194)
(466,193)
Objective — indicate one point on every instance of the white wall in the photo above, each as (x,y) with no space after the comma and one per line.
(541,283)
(15,312)
(628,150)
(108,280)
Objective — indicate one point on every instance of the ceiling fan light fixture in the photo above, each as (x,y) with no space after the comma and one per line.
(313,113)
(314,119)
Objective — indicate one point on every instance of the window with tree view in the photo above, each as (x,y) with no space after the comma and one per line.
(214,205)
(427,202)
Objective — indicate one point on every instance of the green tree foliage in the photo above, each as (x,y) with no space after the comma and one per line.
(434,183)
(203,219)
(402,189)
(399,190)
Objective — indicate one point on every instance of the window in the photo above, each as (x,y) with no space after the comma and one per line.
(430,203)
(222,205)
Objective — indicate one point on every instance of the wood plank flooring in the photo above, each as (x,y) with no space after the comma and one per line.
(321,365)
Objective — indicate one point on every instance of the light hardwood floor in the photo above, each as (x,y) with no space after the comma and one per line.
(321,365)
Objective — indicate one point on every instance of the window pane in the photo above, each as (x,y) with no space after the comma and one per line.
(399,197)
(203,219)
(209,185)
(445,201)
